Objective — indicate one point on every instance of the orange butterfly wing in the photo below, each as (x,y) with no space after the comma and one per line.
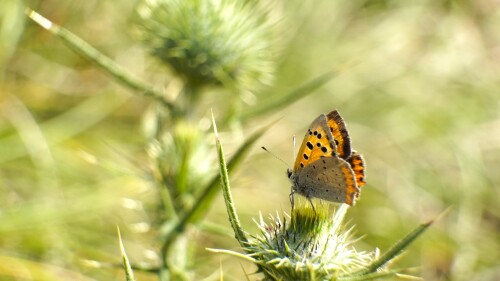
(318,142)
(339,131)
(327,136)
(358,166)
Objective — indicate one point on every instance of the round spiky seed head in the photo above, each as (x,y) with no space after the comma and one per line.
(211,42)
(308,246)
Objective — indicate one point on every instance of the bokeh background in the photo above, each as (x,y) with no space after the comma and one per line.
(417,82)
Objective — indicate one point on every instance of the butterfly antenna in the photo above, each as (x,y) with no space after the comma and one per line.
(293,155)
(263,147)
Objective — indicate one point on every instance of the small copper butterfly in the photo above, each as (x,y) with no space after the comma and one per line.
(326,167)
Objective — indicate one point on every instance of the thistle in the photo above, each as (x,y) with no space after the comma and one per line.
(310,245)
(213,42)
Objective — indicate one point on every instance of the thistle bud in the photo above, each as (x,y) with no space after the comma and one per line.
(211,42)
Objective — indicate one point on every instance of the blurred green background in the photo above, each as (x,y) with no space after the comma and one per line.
(417,83)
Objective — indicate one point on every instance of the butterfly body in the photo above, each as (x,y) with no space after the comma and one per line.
(326,167)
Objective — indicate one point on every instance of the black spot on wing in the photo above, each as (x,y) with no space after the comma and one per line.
(309,145)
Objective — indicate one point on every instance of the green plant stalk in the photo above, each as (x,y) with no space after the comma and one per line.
(165,192)
(86,50)
(393,251)
(166,201)
(182,174)
(370,276)
(380,275)
(145,268)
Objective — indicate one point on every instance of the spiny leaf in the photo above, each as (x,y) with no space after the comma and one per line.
(129,274)
(226,191)
(86,50)
(395,250)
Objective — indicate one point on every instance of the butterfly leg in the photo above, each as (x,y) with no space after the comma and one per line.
(292,201)
(312,205)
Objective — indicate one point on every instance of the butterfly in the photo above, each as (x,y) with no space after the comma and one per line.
(326,167)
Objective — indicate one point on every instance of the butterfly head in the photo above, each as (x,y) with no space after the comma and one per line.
(289,173)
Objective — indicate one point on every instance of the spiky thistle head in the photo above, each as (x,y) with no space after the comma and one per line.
(309,245)
(209,42)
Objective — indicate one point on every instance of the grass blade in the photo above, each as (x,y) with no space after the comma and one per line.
(280,101)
